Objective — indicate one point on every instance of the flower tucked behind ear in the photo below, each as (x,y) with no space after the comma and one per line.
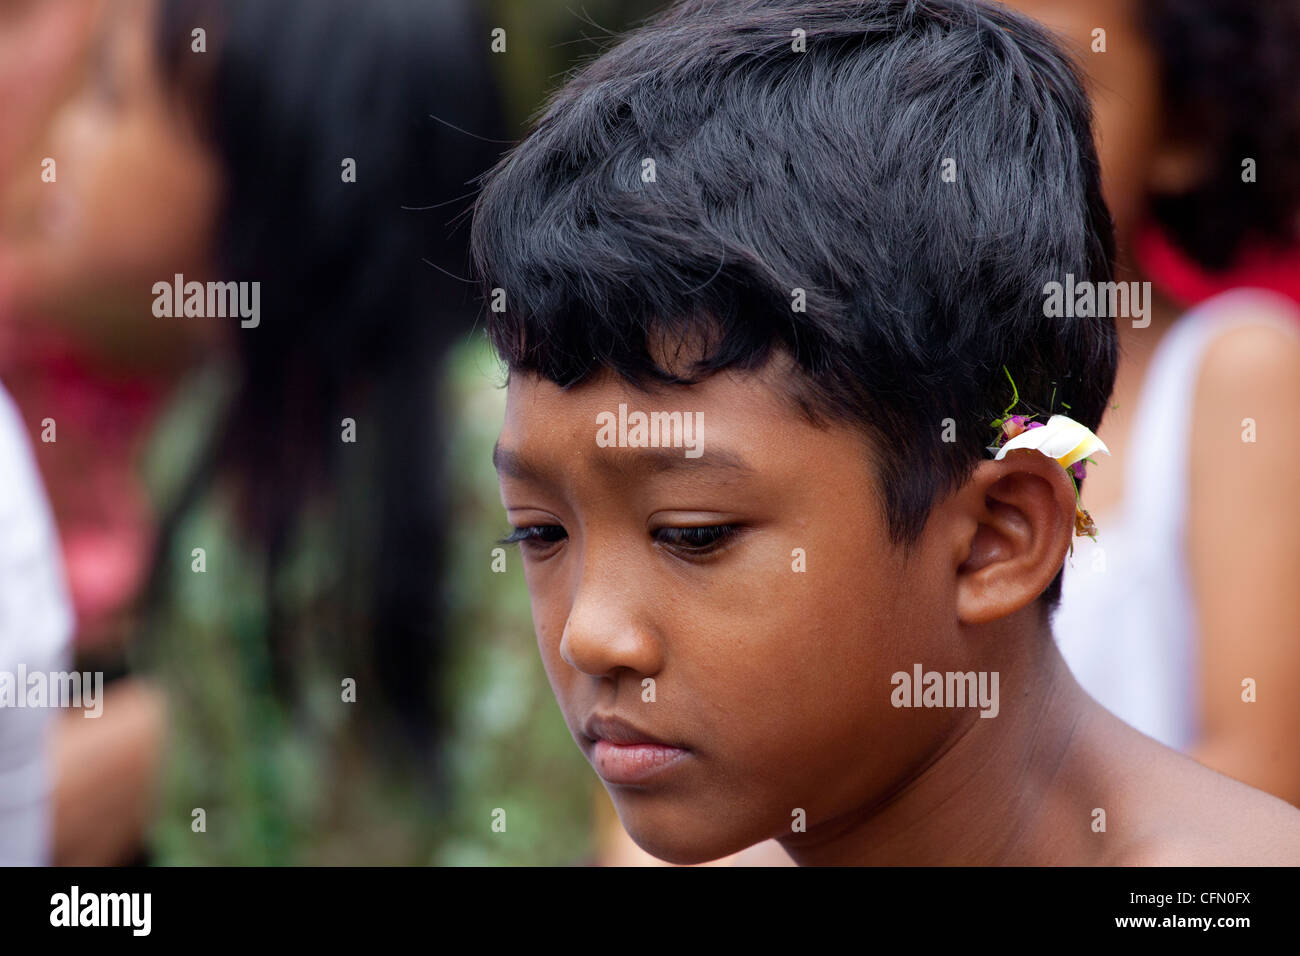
(1065,440)
(1061,438)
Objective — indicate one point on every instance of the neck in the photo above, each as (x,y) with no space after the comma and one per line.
(1137,346)
(1017,789)
(1162,313)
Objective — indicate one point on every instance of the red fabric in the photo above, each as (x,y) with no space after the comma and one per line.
(101,506)
(1188,284)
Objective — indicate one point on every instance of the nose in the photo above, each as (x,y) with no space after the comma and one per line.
(609,626)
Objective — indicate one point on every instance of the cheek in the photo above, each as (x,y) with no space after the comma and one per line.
(165,213)
(1125,94)
(794,677)
(1125,144)
(141,203)
(550,611)
(36,53)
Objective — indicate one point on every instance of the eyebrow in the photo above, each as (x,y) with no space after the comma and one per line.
(637,462)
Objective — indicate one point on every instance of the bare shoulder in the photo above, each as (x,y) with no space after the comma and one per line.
(1248,397)
(1208,819)
(1258,349)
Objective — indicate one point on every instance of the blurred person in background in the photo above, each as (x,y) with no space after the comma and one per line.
(43,44)
(1186,596)
(287,534)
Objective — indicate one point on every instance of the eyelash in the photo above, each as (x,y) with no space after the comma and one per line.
(530,534)
(697,541)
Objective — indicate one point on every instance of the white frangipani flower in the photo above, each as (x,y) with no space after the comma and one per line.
(1061,438)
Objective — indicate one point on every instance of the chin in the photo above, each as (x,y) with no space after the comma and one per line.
(683,842)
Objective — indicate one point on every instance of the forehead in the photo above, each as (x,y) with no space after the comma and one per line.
(743,424)
(540,414)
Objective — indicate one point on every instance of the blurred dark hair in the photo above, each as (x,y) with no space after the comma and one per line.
(354,324)
(1230,77)
(818,170)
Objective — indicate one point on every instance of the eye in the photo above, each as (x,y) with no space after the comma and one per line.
(538,537)
(698,540)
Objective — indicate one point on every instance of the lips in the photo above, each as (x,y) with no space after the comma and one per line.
(622,753)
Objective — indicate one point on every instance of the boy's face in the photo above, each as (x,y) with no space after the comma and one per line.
(771,683)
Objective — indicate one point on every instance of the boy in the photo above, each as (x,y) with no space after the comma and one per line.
(818,233)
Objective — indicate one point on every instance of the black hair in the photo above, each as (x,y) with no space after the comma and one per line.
(358,301)
(1228,74)
(821,170)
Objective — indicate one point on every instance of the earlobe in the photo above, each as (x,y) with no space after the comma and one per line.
(1019,523)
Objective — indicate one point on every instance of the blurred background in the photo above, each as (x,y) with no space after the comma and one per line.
(231,554)
(173,435)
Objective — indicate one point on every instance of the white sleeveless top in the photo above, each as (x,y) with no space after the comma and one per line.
(36,624)
(1126,624)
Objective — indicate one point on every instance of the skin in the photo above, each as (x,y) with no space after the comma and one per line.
(1243,524)
(40,42)
(106,770)
(778,682)
(135,201)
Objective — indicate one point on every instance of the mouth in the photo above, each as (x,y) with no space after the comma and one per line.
(621,753)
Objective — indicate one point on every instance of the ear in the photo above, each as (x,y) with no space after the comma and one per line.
(1015,523)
